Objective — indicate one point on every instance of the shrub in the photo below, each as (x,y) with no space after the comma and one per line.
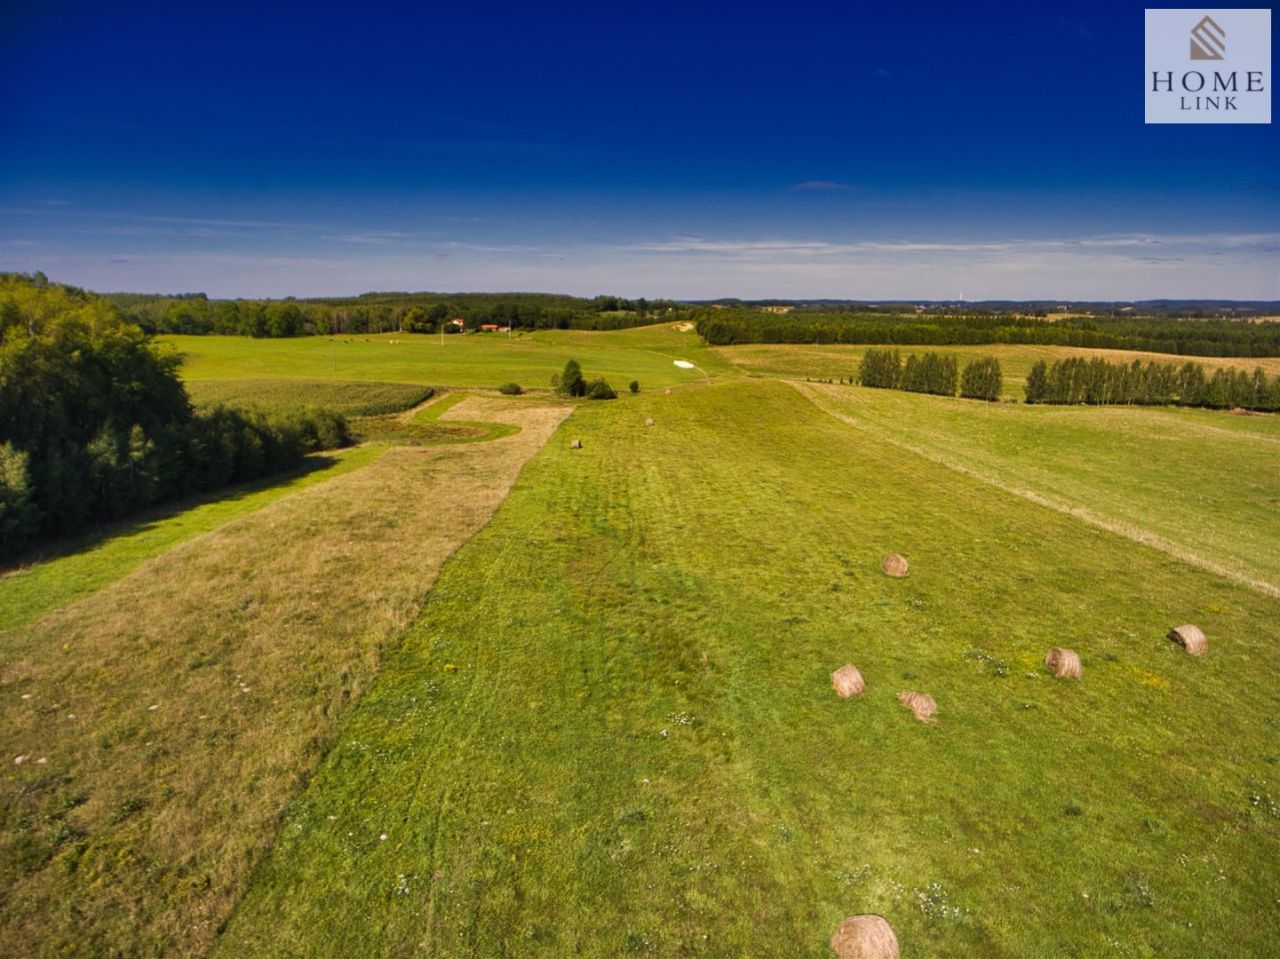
(510,389)
(600,390)
(981,379)
(635,386)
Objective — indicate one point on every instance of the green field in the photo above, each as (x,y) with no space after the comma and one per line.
(607,728)
(530,359)
(349,398)
(836,362)
(612,732)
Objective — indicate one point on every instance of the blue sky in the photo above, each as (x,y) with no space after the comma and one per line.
(862,150)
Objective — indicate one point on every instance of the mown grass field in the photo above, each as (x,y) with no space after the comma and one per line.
(159,721)
(529,359)
(836,362)
(1201,483)
(610,730)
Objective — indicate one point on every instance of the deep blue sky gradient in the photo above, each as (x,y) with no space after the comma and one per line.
(861,150)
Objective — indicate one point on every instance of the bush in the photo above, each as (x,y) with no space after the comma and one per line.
(981,380)
(510,389)
(600,390)
(635,386)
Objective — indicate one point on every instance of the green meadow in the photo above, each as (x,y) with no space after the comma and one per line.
(646,354)
(607,728)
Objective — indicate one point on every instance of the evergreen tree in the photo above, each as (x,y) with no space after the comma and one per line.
(571,379)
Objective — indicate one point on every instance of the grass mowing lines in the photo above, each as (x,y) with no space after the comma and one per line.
(171,715)
(1193,483)
(612,731)
(83,566)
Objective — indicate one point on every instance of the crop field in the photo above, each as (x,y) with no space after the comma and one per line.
(350,398)
(466,691)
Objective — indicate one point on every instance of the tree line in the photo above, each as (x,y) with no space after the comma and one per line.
(1156,334)
(383,313)
(931,373)
(1097,381)
(95,423)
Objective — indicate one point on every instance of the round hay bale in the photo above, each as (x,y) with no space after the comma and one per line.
(1064,663)
(667,391)
(847,681)
(576,445)
(648,421)
(923,706)
(894,565)
(1190,638)
(864,937)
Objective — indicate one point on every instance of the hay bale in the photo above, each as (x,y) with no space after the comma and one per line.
(1064,663)
(576,445)
(667,391)
(1241,411)
(1189,638)
(923,706)
(864,937)
(648,421)
(847,681)
(894,565)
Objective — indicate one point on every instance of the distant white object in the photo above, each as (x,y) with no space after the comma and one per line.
(684,364)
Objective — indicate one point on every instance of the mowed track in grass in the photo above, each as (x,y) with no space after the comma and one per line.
(1203,485)
(485,359)
(611,732)
(166,719)
(839,361)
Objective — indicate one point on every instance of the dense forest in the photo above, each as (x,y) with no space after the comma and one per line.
(1096,381)
(195,313)
(95,423)
(1191,337)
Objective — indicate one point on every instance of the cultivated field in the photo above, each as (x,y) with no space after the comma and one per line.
(607,728)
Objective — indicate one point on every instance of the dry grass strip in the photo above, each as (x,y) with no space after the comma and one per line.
(171,716)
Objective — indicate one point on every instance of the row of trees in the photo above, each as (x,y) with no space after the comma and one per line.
(931,373)
(382,313)
(95,424)
(1158,334)
(1097,381)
